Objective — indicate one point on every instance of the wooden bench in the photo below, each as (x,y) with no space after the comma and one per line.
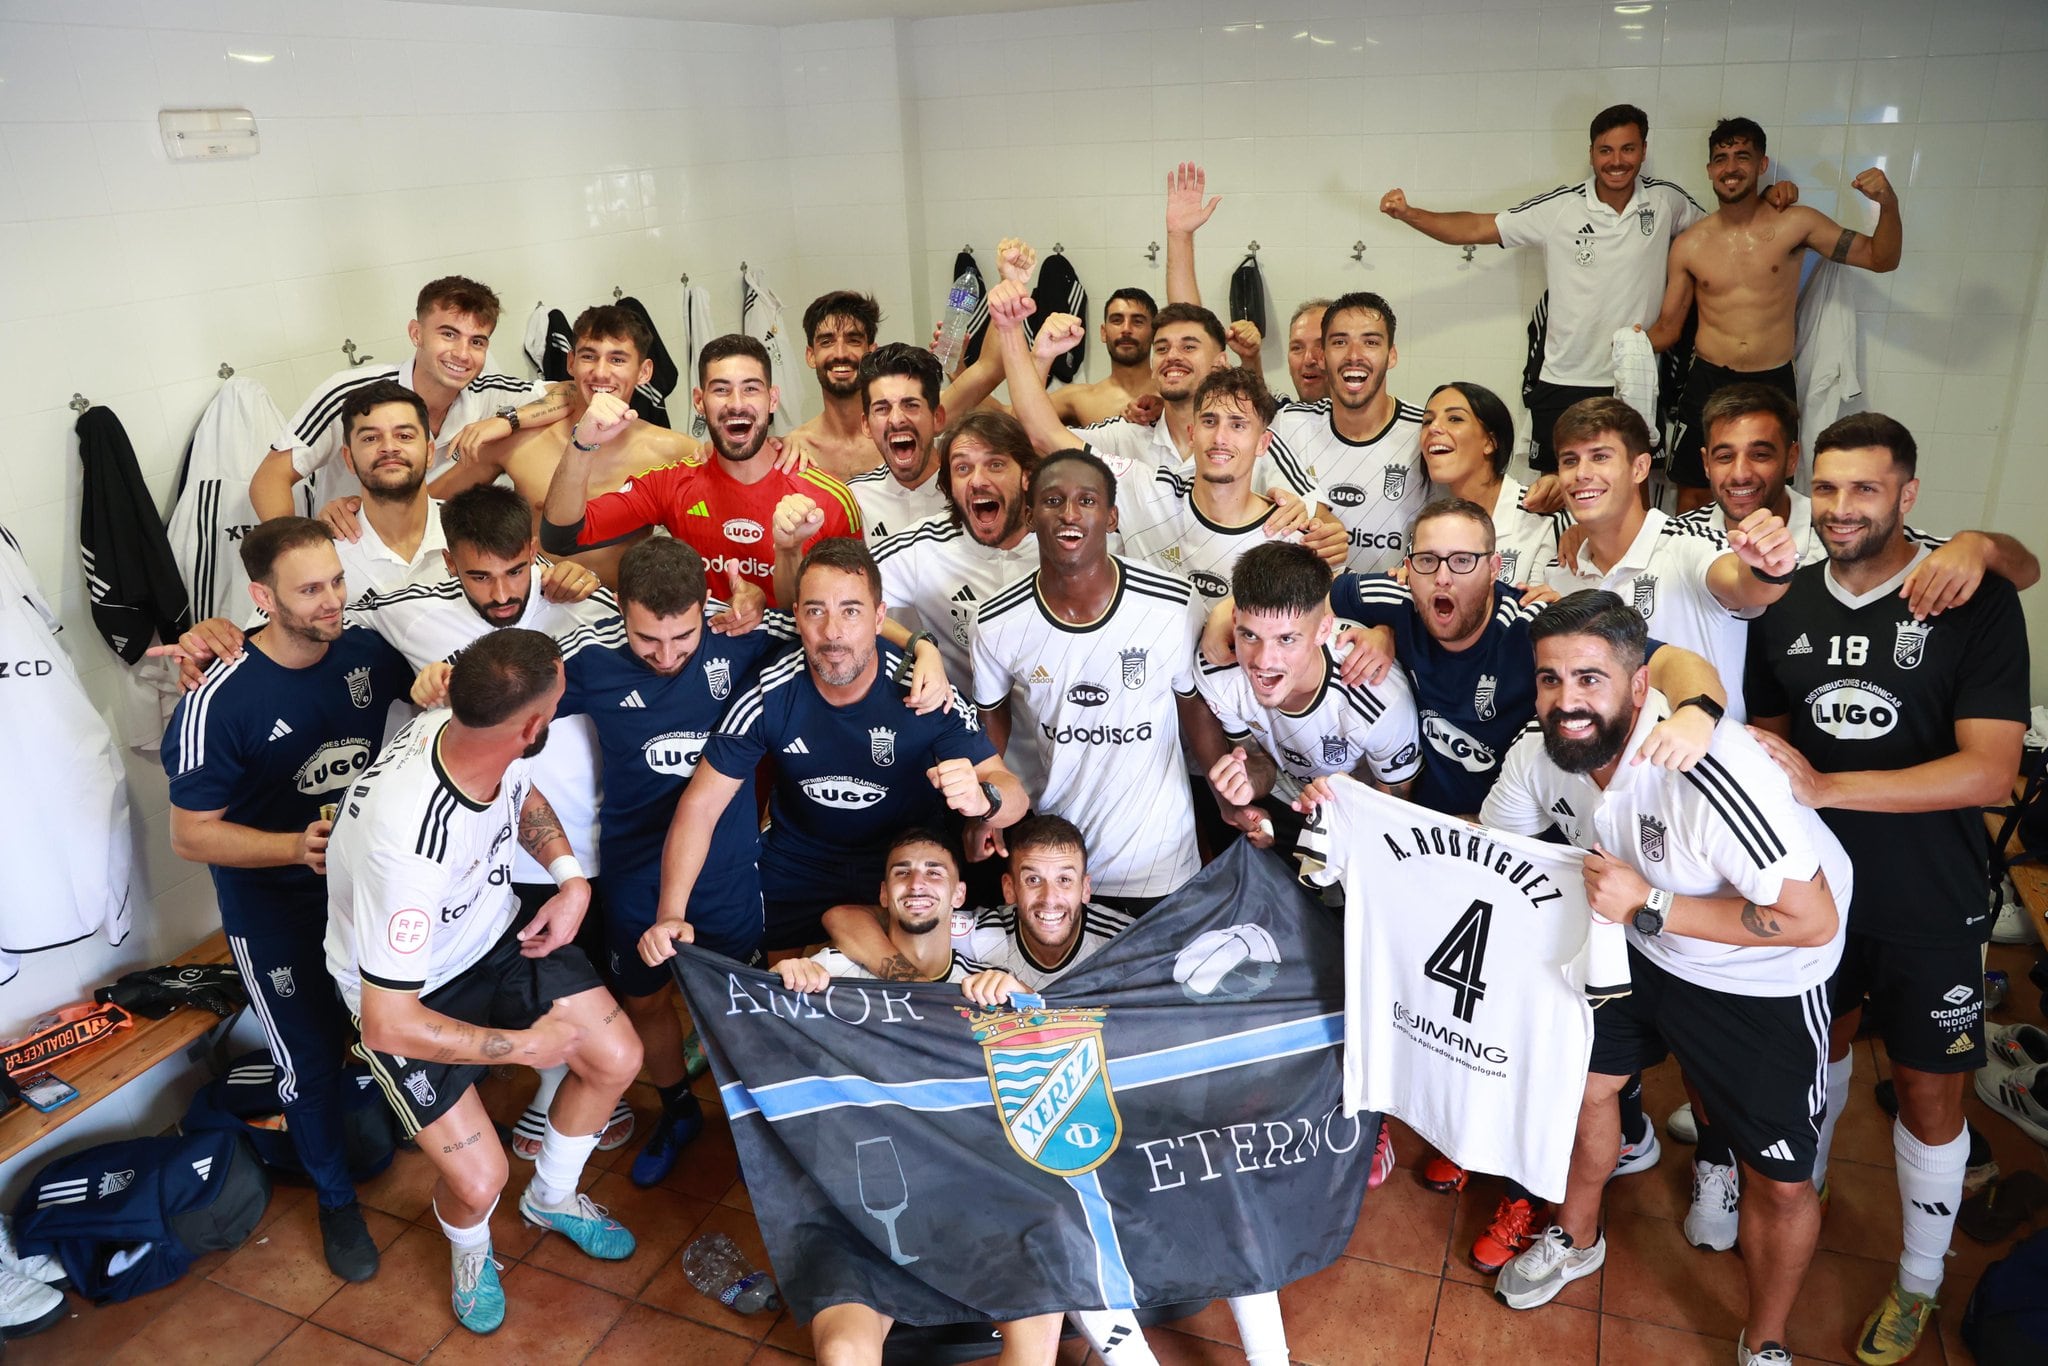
(105,1066)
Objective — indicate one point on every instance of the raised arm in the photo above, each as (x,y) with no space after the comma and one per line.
(1185,214)
(1458,229)
(270,488)
(561,512)
(1758,567)
(1885,245)
(550,408)
(1008,306)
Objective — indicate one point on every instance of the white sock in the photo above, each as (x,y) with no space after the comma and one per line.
(1115,1336)
(1930,1191)
(550,1082)
(1259,1329)
(468,1239)
(1839,1071)
(559,1167)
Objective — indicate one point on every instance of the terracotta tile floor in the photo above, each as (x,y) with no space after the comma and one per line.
(1402,1293)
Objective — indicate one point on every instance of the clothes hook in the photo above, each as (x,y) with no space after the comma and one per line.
(1152,253)
(1469,250)
(743,267)
(1253,249)
(348,348)
(686,280)
(617,294)
(79,403)
(1059,249)
(1358,250)
(226,371)
(967,250)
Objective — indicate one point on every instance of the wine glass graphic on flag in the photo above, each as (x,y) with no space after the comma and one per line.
(883,1191)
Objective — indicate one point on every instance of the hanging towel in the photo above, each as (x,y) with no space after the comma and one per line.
(761,318)
(1248,294)
(535,341)
(697,330)
(64,818)
(1635,373)
(137,592)
(650,400)
(976,330)
(1059,291)
(213,512)
(1825,362)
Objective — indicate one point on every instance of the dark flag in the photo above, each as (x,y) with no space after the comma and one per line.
(1166,1125)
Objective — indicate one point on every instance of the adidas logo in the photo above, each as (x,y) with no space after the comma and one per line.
(698,509)
(280,730)
(1561,807)
(1585,230)
(632,699)
(965,594)
(796,746)
(1039,675)
(1781,1151)
(1801,646)
(1960,1046)
(1937,1208)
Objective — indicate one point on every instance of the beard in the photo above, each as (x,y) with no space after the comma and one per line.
(394,488)
(1127,351)
(1012,523)
(1601,748)
(841,669)
(834,388)
(917,927)
(756,438)
(306,628)
(540,742)
(1876,536)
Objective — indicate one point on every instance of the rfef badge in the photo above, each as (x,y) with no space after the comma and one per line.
(1050,1078)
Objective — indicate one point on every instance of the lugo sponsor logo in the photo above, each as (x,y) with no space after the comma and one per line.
(1853,710)
(1345,496)
(1087,695)
(1209,585)
(843,792)
(1447,740)
(1098,735)
(676,752)
(335,764)
(742,531)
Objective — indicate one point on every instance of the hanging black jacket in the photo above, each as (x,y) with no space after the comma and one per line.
(1059,291)
(554,365)
(1248,294)
(650,400)
(137,593)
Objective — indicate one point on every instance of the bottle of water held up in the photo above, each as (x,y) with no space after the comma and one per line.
(963,300)
(717,1267)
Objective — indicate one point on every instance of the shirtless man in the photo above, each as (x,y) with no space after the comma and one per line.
(1741,263)
(1127,336)
(840,328)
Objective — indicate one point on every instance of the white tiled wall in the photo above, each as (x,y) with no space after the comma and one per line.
(1061,125)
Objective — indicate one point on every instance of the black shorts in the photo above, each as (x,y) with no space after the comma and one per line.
(1546,403)
(1927,1001)
(501,990)
(1688,466)
(1758,1062)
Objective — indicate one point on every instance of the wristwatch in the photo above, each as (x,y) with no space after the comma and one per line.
(1649,917)
(995,799)
(511,414)
(1705,704)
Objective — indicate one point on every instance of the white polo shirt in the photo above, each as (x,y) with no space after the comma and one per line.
(1663,575)
(1116,436)
(370,566)
(1375,487)
(887,505)
(1602,270)
(1526,541)
(1730,827)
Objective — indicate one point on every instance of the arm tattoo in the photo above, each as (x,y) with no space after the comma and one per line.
(538,824)
(1760,922)
(1842,245)
(495,1046)
(897,968)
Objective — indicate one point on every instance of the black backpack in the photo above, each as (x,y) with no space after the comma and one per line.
(243,1100)
(2006,1321)
(127,1218)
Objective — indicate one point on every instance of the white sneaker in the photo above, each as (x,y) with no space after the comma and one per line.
(2016,1045)
(2016,1093)
(1639,1156)
(1716,1200)
(1681,1126)
(1550,1264)
(2013,925)
(47,1270)
(1770,1354)
(27,1306)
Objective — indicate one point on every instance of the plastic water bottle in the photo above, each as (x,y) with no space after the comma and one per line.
(962,301)
(717,1267)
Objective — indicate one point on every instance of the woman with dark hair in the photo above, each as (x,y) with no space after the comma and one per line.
(1467,436)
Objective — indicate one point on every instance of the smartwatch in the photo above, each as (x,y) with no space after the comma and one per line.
(511,415)
(995,799)
(1649,917)
(1704,703)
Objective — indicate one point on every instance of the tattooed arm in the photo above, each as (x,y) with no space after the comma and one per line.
(1803,916)
(540,829)
(857,932)
(558,919)
(399,1023)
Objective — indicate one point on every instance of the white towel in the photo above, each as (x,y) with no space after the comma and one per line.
(761,318)
(1635,375)
(1825,364)
(698,329)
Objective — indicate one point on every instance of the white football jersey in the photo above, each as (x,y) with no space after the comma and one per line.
(1161,525)
(1663,575)
(1373,724)
(430,619)
(993,942)
(419,872)
(1526,541)
(1729,827)
(1374,487)
(1107,724)
(887,507)
(1471,963)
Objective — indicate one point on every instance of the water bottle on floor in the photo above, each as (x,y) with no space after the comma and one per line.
(717,1267)
(963,300)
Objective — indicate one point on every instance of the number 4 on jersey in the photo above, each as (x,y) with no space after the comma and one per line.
(1458,961)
